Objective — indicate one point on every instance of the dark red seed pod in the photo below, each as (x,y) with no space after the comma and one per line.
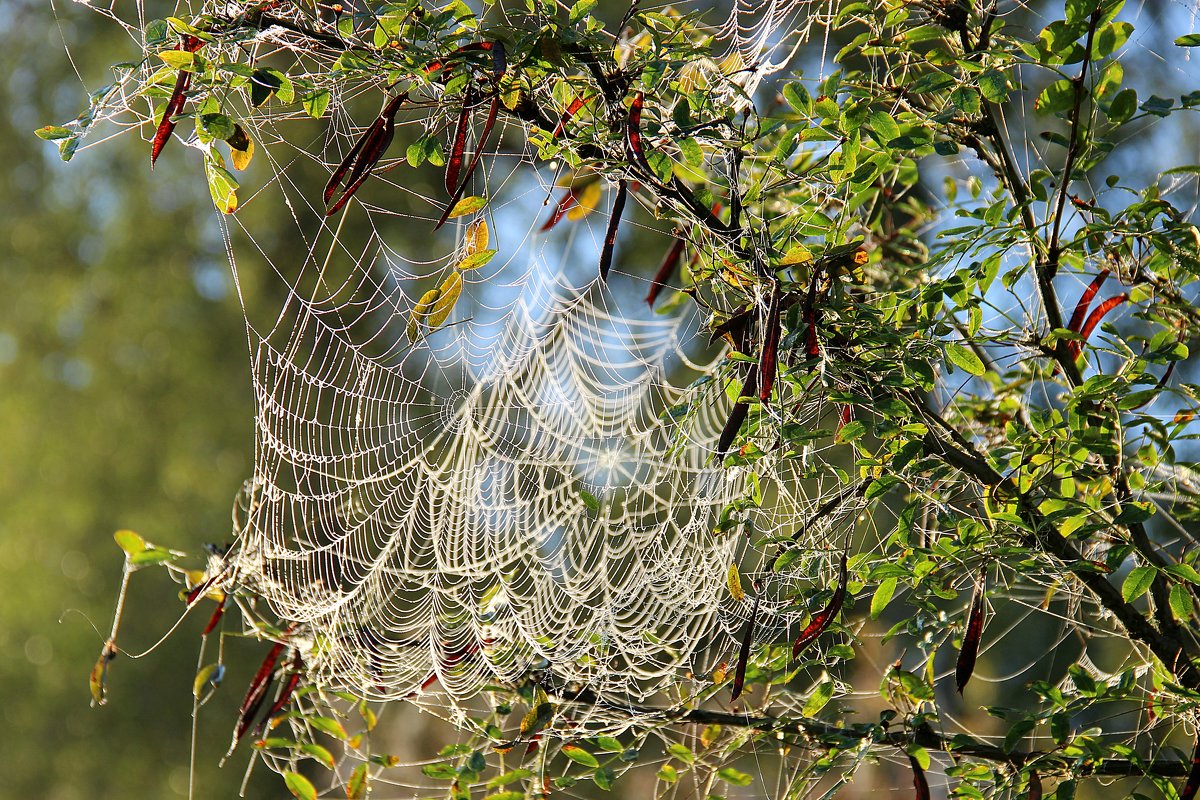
(286,695)
(363,157)
(666,269)
(821,621)
(1193,781)
(1035,785)
(737,416)
(565,204)
(573,108)
(175,105)
(846,417)
(633,132)
(610,235)
(257,691)
(1098,314)
(768,364)
(970,646)
(459,146)
(919,783)
(216,616)
(739,676)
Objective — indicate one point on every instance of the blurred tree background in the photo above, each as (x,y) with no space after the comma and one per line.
(125,404)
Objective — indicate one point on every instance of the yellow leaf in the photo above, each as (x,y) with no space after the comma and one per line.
(586,201)
(132,543)
(736,276)
(798,254)
(241,158)
(448,294)
(719,673)
(735,584)
(477,238)
(468,205)
(420,311)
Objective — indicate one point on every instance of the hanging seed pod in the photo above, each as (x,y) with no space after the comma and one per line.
(739,676)
(1098,314)
(610,235)
(737,416)
(362,158)
(970,646)
(666,269)
(166,125)
(285,696)
(1193,781)
(920,784)
(768,365)
(256,693)
(821,621)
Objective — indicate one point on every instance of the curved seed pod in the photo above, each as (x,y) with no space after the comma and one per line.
(919,783)
(669,264)
(458,148)
(1085,300)
(565,203)
(257,692)
(846,417)
(1081,309)
(175,105)
(970,646)
(610,235)
(737,416)
(1193,781)
(363,157)
(739,677)
(1098,314)
(768,365)
(633,132)
(572,109)
(812,346)
(821,621)
(1035,785)
(216,617)
(285,696)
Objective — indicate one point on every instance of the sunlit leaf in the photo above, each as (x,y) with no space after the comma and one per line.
(299,786)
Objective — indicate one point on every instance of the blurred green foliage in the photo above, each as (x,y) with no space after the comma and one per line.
(125,403)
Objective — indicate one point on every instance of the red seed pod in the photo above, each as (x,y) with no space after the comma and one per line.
(1035,785)
(363,157)
(257,692)
(970,646)
(1085,300)
(739,677)
(737,416)
(286,695)
(768,364)
(1098,314)
(1193,781)
(821,621)
(919,783)
(573,108)
(633,132)
(610,235)
(216,616)
(669,264)
(459,147)
(175,105)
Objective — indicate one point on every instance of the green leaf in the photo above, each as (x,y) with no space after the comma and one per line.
(1123,107)
(329,726)
(319,753)
(682,752)
(52,132)
(965,359)
(475,260)
(883,126)
(580,10)
(299,786)
(1016,733)
(356,787)
(590,500)
(1188,40)
(919,754)
(883,596)
(1055,98)
(1181,602)
(511,776)
(731,775)
(603,778)
(316,103)
(1137,582)
(692,154)
(580,756)
(817,700)
(609,744)
(510,795)
(203,677)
